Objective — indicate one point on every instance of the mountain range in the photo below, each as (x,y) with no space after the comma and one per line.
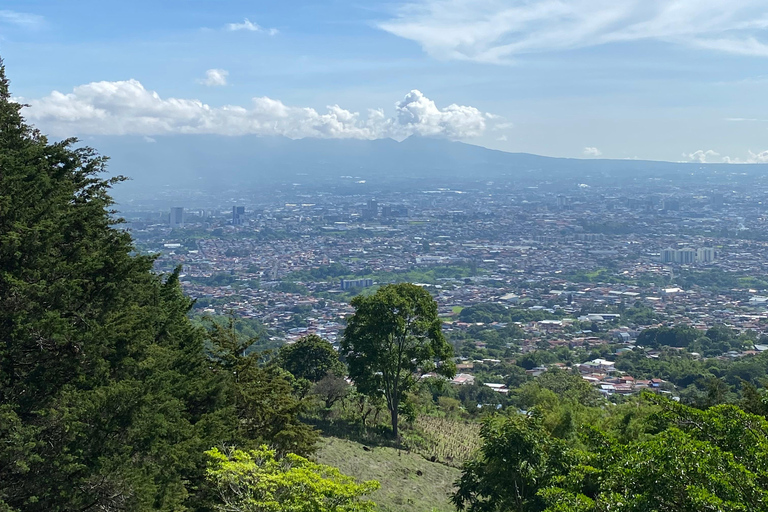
(211,161)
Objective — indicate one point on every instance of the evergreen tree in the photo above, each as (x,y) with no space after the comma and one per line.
(266,398)
(106,397)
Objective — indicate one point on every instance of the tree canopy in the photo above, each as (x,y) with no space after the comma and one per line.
(392,335)
(105,395)
(684,459)
(259,481)
(311,358)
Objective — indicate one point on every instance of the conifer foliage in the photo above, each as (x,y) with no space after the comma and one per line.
(107,401)
(108,395)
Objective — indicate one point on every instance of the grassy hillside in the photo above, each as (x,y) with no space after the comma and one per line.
(402,488)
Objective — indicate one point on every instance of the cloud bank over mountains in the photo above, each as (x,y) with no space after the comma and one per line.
(496,31)
(128,108)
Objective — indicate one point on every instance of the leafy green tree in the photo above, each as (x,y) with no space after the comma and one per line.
(106,398)
(683,459)
(677,336)
(392,335)
(518,459)
(568,385)
(257,481)
(331,389)
(311,358)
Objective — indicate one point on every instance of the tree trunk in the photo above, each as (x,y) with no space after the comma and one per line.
(394,421)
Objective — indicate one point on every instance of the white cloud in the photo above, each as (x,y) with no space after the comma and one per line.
(702,156)
(758,158)
(127,107)
(215,77)
(21,19)
(711,157)
(497,30)
(250,26)
(590,151)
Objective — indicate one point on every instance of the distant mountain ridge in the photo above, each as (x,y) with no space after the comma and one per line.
(212,160)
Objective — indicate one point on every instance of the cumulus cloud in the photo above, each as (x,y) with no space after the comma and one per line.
(127,107)
(703,157)
(215,77)
(497,31)
(250,26)
(590,151)
(758,158)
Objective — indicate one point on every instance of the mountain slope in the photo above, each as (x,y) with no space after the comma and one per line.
(210,160)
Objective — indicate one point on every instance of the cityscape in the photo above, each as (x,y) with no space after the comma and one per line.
(589,267)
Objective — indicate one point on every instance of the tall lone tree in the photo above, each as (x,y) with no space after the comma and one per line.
(392,335)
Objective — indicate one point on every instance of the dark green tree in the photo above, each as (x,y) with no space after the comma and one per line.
(263,395)
(106,398)
(311,358)
(518,459)
(392,335)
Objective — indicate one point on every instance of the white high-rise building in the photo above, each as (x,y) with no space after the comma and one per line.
(686,255)
(705,255)
(668,255)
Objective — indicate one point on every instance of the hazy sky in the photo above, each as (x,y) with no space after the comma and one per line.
(656,79)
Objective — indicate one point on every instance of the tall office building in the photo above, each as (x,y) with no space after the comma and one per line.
(371,211)
(685,256)
(177,216)
(238,215)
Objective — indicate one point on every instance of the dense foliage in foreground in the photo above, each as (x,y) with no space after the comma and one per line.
(683,459)
(108,394)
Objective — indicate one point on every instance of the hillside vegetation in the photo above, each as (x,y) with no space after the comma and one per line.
(409,482)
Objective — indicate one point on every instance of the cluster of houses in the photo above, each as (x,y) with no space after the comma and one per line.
(601,373)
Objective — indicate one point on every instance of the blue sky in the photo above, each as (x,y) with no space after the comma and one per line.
(671,79)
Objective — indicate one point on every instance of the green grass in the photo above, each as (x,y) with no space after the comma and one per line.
(457,309)
(402,489)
